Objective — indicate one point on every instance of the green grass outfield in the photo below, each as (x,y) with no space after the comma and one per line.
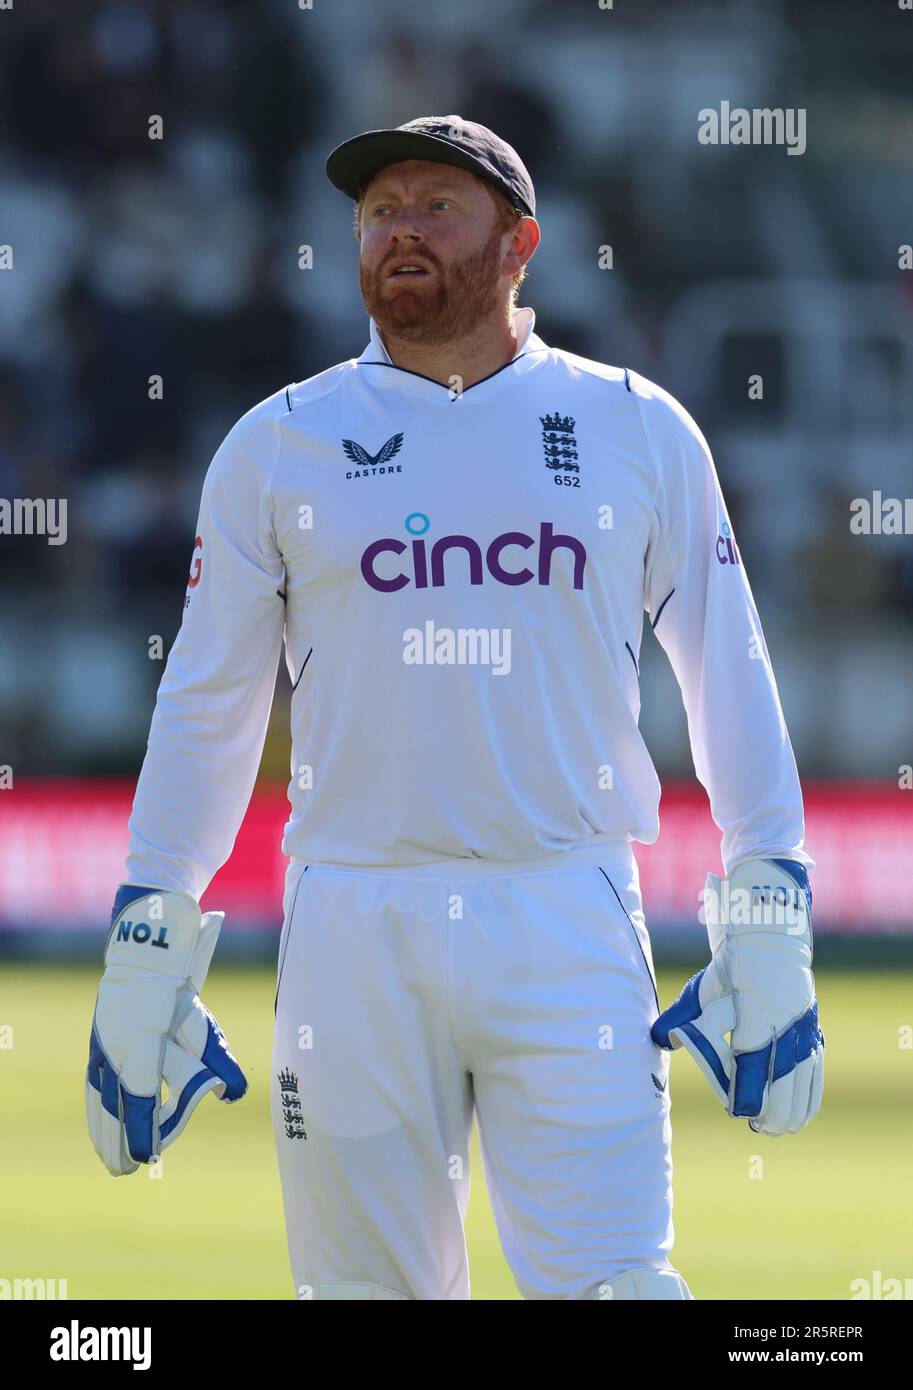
(834,1203)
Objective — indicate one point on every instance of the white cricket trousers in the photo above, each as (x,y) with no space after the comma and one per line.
(405,999)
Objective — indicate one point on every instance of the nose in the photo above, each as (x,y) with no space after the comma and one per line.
(403,226)
(402,234)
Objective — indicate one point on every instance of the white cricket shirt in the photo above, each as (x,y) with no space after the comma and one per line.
(460,581)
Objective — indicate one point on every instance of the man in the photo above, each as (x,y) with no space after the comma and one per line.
(459,532)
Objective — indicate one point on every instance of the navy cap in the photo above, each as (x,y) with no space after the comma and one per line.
(444,139)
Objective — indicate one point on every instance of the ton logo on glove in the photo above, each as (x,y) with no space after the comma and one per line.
(141,932)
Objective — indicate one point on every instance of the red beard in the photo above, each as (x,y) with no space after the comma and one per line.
(441,310)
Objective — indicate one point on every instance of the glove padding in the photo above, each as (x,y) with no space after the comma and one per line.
(151,1026)
(758,988)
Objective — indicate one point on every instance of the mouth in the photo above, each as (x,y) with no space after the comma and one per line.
(408,270)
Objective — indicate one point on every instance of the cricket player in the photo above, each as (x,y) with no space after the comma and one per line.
(456,536)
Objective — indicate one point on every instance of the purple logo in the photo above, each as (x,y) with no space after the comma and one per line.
(726,551)
(426,568)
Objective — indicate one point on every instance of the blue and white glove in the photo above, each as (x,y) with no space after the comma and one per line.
(759,989)
(151,1026)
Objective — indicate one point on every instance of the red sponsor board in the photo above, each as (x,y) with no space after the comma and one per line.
(860,835)
(63,846)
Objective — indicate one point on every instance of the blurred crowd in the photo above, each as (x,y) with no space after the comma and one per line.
(177,258)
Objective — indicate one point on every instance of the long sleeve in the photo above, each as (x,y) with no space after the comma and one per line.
(702,611)
(212,709)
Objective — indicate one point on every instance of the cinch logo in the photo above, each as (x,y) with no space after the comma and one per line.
(417,523)
(726,551)
(141,932)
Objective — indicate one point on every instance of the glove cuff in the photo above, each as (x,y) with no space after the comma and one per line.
(767,896)
(154,929)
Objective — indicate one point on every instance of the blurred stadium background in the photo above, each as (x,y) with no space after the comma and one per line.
(179,257)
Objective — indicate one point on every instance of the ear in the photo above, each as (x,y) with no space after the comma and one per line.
(525,237)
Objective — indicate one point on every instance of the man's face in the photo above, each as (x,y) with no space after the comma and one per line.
(444,221)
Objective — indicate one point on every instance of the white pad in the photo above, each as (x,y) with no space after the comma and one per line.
(665,1284)
(339,1289)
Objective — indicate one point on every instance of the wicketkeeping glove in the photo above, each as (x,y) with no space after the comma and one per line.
(758,988)
(151,1026)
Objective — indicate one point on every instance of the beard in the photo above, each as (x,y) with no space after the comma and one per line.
(451,306)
